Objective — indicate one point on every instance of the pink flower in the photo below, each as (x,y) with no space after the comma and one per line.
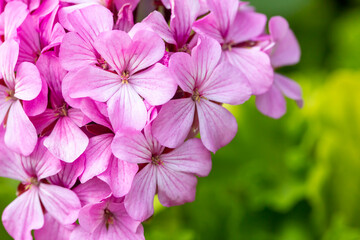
(136,76)
(205,85)
(107,220)
(286,51)
(25,212)
(13,15)
(66,140)
(20,133)
(171,174)
(235,29)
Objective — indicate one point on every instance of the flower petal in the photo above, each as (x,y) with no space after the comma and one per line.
(20,135)
(255,65)
(92,191)
(175,188)
(37,105)
(182,67)
(287,51)
(54,230)
(139,202)
(217,125)
(14,14)
(289,88)
(9,51)
(190,157)
(67,141)
(278,28)
(207,26)
(28,82)
(126,109)
(174,121)
(156,21)
(4,103)
(155,84)
(61,203)
(272,103)
(92,215)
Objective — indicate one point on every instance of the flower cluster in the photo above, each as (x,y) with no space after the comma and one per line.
(100,114)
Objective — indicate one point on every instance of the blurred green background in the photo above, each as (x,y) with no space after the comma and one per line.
(297,178)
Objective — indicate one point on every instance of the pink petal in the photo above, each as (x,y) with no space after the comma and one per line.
(94,110)
(272,103)
(207,26)
(42,121)
(76,53)
(91,216)
(37,105)
(119,176)
(183,15)
(54,230)
(225,12)
(61,203)
(78,117)
(126,109)
(20,133)
(131,146)
(155,84)
(182,67)
(9,52)
(217,125)
(67,141)
(247,25)
(125,19)
(4,103)
(286,51)
(156,21)
(23,215)
(95,83)
(147,49)
(92,191)
(190,157)
(29,41)
(255,65)
(80,233)
(98,155)
(28,82)
(90,21)
(175,188)
(114,47)
(226,84)
(174,121)
(139,201)
(289,88)
(14,14)
(278,28)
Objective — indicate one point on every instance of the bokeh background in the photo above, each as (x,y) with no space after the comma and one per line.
(297,178)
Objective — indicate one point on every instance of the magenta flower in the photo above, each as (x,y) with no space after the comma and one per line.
(20,135)
(206,84)
(183,15)
(66,140)
(170,174)
(25,212)
(286,51)
(235,29)
(107,220)
(137,76)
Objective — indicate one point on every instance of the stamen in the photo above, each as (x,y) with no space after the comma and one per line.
(196,96)
(125,77)
(109,218)
(156,160)
(10,95)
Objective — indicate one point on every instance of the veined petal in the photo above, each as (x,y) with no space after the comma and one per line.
(92,191)
(4,103)
(61,203)
(119,176)
(9,51)
(98,155)
(92,215)
(182,67)
(227,84)
(67,141)
(125,19)
(175,188)
(29,40)
(156,21)
(78,117)
(255,65)
(23,215)
(28,82)
(54,230)
(95,83)
(190,157)
(37,105)
(272,103)
(286,51)
(139,202)
(14,14)
(155,84)
(289,88)
(183,15)
(217,125)
(126,109)
(42,121)
(174,121)
(69,173)
(207,26)
(20,135)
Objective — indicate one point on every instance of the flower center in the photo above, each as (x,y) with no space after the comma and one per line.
(109,218)
(196,96)
(125,77)
(227,46)
(103,64)
(62,111)
(10,95)
(155,160)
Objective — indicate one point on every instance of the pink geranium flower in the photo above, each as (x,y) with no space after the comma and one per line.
(136,76)
(286,51)
(235,29)
(20,135)
(25,212)
(205,85)
(171,174)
